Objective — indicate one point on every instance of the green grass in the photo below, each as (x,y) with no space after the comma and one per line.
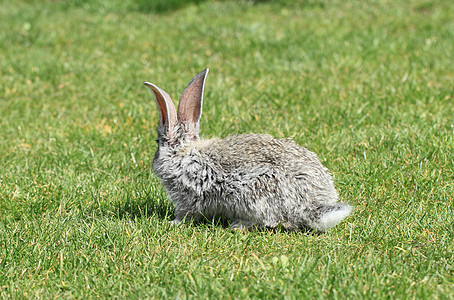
(368,85)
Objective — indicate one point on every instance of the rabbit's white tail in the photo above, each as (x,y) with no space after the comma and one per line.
(329,215)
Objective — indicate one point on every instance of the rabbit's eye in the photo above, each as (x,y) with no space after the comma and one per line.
(157,141)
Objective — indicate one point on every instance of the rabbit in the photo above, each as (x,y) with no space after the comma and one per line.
(249,180)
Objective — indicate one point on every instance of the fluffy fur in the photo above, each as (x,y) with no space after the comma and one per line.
(250,180)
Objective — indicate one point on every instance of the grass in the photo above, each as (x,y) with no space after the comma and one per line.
(368,85)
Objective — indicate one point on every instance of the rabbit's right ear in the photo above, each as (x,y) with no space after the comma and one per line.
(167,112)
(190,104)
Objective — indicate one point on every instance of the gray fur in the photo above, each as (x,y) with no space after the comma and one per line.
(250,180)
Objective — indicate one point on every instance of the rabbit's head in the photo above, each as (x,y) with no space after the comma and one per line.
(180,126)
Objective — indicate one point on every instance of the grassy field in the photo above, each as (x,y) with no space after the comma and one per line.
(368,85)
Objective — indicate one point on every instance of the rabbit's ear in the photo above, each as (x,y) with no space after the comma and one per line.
(167,112)
(190,104)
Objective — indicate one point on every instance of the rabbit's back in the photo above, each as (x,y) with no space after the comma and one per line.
(251,150)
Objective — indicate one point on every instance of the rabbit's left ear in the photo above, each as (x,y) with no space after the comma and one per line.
(167,112)
(190,105)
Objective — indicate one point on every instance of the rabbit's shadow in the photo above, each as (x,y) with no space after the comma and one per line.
(144,208)
(219,222)
(164,210)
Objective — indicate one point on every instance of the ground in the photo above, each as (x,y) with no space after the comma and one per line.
(367,85)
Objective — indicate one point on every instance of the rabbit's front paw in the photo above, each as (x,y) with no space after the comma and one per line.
(241,225)
(176,222)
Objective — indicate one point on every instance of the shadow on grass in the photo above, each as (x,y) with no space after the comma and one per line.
(219,222)
(144,208)
(166,6)
(149,207)
(162,6)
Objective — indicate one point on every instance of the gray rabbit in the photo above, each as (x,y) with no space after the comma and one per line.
(249,180)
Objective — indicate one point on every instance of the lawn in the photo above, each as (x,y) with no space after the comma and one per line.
(368,85)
